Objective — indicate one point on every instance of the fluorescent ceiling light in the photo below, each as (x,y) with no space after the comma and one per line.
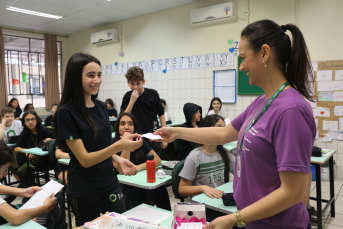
(33,12)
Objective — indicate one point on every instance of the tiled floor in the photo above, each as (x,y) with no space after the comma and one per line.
(329,223)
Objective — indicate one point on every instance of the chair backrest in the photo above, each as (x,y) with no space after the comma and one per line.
(176,180)
(51,152)
(112,129)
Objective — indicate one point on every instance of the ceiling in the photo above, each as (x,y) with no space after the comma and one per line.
(79,15)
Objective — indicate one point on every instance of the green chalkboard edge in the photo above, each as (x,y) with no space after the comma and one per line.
(239,60)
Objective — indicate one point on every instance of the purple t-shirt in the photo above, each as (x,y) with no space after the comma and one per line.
(281,140)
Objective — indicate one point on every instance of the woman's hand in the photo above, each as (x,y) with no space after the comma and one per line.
(212,192)
(47,139)
(167,133)
(129,144)
(126,166)
(223,222)
(29,192)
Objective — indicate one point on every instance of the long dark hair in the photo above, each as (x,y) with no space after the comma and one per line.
(211,107)
(136,157)
(38,120)
(73,89)
(10,103)
(293,60)
(210,121)
(27,106)
(110,101)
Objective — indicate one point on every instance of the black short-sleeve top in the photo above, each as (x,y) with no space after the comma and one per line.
(27,140)
(101,177)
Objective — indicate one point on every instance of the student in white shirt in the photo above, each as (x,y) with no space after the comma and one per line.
(9,127)
(215,107)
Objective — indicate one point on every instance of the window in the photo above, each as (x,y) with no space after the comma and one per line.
(25,69)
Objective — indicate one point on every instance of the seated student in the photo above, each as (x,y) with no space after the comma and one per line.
(32,134)
(133,196)
(193,116)
(14,104)
(59,154)
(164,104)
(112,113)
(49,120)
(28,106)
(9,127)
(215,107)
(207,166)
(9,213)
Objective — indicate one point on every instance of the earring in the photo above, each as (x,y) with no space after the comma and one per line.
(264,64)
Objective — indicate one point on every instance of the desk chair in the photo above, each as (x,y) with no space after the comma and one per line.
(46,169)
(176,180)
(112,129)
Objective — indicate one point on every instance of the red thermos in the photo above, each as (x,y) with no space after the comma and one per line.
(150,169)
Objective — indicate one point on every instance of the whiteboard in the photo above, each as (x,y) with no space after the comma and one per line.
(224,85)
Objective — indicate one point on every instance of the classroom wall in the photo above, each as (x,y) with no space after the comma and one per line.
(169,34)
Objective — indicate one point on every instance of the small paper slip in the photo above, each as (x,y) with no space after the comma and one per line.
(325,151)
(148,214)
(151,136)
(38,199)
(193,225)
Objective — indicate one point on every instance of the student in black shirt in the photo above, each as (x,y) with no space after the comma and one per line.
(49,120)
(15,105)
(193,117)
(32,134)
(84,131)
(110,106)
(144,104)
(134,196)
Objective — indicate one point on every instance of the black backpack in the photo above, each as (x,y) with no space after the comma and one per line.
(54,219)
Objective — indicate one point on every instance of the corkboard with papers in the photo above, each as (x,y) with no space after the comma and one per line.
(328,107)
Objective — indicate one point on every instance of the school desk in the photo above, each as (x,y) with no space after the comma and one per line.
(231,145)
(28,225)
(10,144)
(176,124)
(113,119)
(36,151)
(318,161)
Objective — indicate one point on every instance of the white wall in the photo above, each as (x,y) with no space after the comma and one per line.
(169,34)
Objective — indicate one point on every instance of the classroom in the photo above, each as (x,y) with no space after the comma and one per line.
(160,31)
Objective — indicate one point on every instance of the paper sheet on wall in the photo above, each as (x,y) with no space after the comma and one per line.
(325,96)
(38,198)
(123,68)
(338,74)
(321,112)
(341,123)
(338,110)
(225,78)
(324,75)
(161,64)
(324,86)
(154,66)
(209,60)
(312,104)
(175,65)
(226,94)
(338,96)
(330,125)
(192,61)
(314,65)
(316,120)
(337,85)
(148,214)
(184,62)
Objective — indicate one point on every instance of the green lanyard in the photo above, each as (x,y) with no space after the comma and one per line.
(253,121)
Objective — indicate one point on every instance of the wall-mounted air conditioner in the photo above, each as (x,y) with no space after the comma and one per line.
(104,36)
(214,14)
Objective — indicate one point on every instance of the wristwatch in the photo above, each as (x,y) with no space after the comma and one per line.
(239,222)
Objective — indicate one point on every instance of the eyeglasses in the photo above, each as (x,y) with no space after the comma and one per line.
(30,120)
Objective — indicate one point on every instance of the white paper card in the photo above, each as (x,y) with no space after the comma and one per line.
(327,138)
(324,86)
(324,75)
(338,96)
(38,198)
(148,214)
(338,110)
(225,78)
(151,136)
(337,85)
(314,66)
(322,112)
(226,94)
(340,123)
(339,75)
(330,125)
(312,104)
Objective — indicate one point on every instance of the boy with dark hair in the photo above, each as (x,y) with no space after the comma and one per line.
(9,213)
(164,104)
(144,104)
(49,120)
(9,127)
(193,117)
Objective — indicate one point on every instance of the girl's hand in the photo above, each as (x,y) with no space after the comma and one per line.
(29,192)
(223,222)
(47,139)
(167,133)
(129,144)
(50,202)
(32,158)
(127,167)
(212,192)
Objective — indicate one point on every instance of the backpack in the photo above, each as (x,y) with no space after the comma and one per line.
(54,219)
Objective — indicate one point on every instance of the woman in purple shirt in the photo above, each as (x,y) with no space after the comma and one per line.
(275,133)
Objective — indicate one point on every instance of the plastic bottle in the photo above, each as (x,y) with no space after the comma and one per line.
(150,169)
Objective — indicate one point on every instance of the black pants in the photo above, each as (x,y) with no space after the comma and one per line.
(88,208)
(156,146)
(135,196)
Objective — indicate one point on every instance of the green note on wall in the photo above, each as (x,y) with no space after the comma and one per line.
(243,87)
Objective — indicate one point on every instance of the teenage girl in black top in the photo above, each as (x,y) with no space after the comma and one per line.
(84,131)
(15,105)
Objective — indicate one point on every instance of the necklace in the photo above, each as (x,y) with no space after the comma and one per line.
(203,148)
(34,140)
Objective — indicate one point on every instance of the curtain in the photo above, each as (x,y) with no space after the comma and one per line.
(52,94)
(3,86)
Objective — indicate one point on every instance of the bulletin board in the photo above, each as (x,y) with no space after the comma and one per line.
(244,88)
(328,108)
(224,85)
